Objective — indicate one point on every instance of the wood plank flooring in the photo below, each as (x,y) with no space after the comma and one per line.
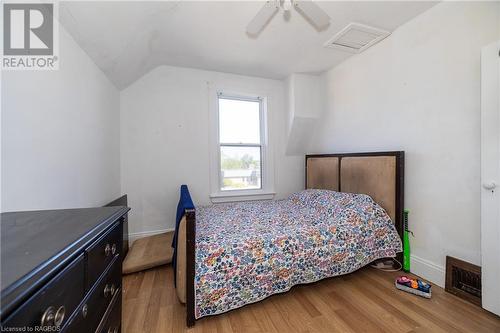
(364,301)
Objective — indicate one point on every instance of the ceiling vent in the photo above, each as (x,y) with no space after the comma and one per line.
(356,38)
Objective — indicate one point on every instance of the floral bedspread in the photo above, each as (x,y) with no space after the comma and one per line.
(248,251)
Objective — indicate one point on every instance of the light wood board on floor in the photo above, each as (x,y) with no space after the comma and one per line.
(149,252)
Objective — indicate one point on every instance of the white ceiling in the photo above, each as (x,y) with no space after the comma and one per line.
(127,39)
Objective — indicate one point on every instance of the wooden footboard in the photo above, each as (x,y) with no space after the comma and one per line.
(185,270)
(180,269)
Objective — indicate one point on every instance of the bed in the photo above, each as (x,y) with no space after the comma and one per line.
(233,254)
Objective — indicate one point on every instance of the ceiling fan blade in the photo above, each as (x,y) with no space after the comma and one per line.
(316,16)
(264,15)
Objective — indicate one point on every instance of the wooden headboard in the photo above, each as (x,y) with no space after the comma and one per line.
(378,174)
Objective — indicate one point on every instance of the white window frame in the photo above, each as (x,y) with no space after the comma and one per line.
(258,99)
(267,172)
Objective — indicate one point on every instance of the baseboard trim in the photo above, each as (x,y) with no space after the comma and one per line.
(141,234)
(428,270)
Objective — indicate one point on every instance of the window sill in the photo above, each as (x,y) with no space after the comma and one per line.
(241,196)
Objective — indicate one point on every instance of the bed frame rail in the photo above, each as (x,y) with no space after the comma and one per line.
(190,264)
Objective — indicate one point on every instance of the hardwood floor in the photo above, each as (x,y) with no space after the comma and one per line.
(364,301)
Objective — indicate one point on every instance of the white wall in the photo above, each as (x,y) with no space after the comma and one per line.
(165,141)
(60,135)
(304,107)
(419,91)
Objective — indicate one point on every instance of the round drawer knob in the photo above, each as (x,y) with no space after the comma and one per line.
(113,249)
(107,250)
(59,317)
(48,317)
(85,310)
(109,290)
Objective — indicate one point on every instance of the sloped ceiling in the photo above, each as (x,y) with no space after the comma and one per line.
(126,39)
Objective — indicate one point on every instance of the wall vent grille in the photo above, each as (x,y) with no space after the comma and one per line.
(356,38)
(463,279)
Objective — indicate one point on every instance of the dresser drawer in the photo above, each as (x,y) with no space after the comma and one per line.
(113,320)
(53,303)
(93,308)
(102,252)
(101,296)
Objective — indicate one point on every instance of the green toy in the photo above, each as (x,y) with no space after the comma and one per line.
(406,242)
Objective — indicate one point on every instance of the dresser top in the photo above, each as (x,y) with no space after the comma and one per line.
(34,245)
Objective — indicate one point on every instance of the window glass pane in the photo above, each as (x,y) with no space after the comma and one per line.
(239,121)
(240,168)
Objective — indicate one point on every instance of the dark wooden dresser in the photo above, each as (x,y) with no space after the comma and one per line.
(61,270)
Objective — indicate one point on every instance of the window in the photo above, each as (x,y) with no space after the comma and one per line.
(240,129)
(241,153)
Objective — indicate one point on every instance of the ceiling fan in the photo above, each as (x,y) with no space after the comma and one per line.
(312,12)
